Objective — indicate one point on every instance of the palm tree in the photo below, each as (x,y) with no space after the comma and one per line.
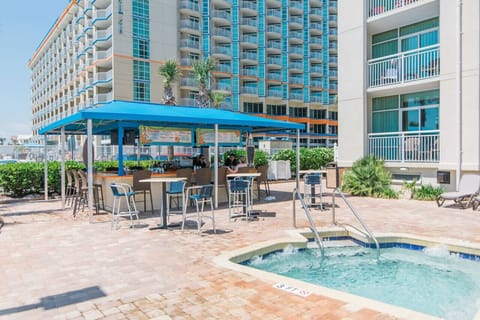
(202,70)
(170,72)
(217,97)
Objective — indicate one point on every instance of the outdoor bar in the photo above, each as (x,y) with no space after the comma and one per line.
(157,124)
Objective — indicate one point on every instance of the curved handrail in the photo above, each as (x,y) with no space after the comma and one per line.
(310,220)
(365,227)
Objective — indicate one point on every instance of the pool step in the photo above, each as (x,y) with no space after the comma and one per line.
(334,244)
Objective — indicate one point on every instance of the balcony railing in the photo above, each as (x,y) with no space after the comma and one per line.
(189,5)
(188,43)
(249,90)
(407,66)
(189,24)
(222,50)
(377,7)
(419,146)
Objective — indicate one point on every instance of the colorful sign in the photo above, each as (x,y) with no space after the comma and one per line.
(165,135)
(225,136)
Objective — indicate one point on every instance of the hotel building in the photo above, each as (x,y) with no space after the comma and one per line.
(409,91)
(275,58)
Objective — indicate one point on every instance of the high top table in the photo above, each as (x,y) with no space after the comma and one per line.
(163,181)
(245,175)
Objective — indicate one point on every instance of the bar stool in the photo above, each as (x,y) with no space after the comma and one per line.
(204,195)
(239,198)
(176,190)
(123,191)
(313,190)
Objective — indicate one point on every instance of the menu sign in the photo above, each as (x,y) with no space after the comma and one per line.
(165,135)
(225,136)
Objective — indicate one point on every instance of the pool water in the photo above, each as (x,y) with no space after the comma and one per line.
(431,281)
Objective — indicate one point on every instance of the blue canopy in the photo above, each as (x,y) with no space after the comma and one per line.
(132,114)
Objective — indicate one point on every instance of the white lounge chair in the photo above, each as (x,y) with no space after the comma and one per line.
(467,190)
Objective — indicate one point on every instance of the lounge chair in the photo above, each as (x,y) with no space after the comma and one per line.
(476,203)
(467,190)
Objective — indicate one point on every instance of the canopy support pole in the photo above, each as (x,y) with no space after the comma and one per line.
(89,169)
(45,167)
(297,168)
(62,165)
(215,159)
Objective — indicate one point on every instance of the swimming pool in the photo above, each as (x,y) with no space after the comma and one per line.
(431,281)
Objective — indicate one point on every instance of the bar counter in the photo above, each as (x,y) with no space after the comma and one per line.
(105,179)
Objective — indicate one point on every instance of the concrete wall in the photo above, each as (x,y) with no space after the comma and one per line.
(352,54)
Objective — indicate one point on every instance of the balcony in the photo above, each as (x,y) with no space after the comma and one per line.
(249,56)
(249,39)
(221,32)
(187,62)
(190,25)
(249,90)
(222,14)
(102,15)
(226,68)
(220,50)
(405,67)
(296,65)
(295,5)
(274,76)
(222,87)
(274,13)
(250,22)
(405,146)
(102,98)
(378,7)
(296,96)
(189,6)
(274,93)
(250,5)
(189,43)
(249,72)
(296,20)
(103,77)
(277,61)
(274,45)
(274,28)
(188,82)
(296,50)
(296,80)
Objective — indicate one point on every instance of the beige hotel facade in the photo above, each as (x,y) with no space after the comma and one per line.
(408,74)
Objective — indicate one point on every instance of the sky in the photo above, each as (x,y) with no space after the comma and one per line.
(23,25)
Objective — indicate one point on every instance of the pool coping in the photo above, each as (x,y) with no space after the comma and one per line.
(298,238)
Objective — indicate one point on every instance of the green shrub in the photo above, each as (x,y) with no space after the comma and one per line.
(369,177)
(427,192)
(310,158)
(261,158)
(21,179)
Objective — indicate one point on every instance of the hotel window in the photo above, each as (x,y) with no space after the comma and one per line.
(276,110)
(252,107)
(418,111)
(141,81)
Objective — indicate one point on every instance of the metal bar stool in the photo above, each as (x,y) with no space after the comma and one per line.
(123,191)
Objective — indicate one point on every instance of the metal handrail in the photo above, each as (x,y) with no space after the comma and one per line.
(310,220)
(355,213)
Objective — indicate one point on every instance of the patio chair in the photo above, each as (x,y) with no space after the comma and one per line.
(263,178)
(476,203)
(467,190)
(123,191)
(240,198)
(175,191)
(142,188)
(203,176)
(200,195)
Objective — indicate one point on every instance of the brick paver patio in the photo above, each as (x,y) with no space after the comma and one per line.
(54,267)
